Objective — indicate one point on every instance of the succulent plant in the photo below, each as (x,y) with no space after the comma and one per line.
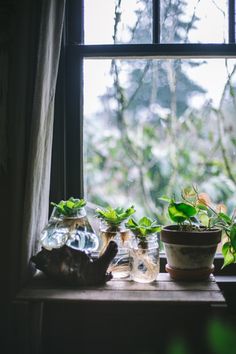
(143,227)
(114,217)
(69,207)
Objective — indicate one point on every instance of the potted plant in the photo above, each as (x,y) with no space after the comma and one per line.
(113,228)
(144,251)
(69,225)
(191,242)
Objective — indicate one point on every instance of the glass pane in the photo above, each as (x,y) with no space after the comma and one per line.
(152,127)
(117,21)
(194,21)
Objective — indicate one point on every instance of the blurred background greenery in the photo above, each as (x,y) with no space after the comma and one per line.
(153,126)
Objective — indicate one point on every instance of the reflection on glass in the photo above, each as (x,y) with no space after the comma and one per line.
(117,21)
(152,126)
(194,21)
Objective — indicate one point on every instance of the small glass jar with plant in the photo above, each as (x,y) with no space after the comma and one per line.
(144,252)
(191,242)
(69,225)
(112,228)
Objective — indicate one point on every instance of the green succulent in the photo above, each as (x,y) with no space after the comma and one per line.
(114,217)
(143,227)
(69,207)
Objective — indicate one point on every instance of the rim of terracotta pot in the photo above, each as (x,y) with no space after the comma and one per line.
(171,234)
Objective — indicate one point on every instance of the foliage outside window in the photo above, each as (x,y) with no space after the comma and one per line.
(154,125)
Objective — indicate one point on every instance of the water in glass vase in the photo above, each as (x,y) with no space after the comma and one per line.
(76,232)
(120,265)
(144,260)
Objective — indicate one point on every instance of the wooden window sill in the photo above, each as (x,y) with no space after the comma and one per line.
(164,290)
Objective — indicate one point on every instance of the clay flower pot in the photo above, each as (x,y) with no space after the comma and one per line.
(190,254)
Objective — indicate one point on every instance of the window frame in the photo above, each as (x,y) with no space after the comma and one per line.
(67,173)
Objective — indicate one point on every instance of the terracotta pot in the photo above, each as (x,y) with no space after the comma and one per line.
(190,255)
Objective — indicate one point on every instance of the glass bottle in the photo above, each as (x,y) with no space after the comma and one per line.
(74,231)
(144,259)
(120,265)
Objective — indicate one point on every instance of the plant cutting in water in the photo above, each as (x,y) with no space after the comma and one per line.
(143,228)
(69,225)
(112,229)
(114,217)
(144,255)
(196,212)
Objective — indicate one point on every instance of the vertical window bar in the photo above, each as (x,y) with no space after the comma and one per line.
(156,21)
(231,19)
(74,100)
(75,23)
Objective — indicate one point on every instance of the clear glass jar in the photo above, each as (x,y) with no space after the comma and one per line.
(120,265)
(75,231)
(144,259)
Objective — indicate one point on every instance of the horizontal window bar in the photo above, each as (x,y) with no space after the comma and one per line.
(156,51)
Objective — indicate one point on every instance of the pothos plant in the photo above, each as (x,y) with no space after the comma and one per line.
(143,228)
(70,207)
(196,212)
(113,217)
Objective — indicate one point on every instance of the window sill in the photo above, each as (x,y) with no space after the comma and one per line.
(163,291)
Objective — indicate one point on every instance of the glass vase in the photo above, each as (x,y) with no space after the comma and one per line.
(74,231)
(144,259)
(120,265)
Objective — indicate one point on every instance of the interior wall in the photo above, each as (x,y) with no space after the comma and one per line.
(6,30)
(17,40)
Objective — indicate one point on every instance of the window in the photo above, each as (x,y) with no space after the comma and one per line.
(150,104)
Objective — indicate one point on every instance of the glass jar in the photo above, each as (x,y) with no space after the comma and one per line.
(144,259)
(74,231)
(120,265)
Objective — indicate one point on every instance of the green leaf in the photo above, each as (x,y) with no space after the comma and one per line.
(144,227)
(225,217)
(187,209)
(180,212)
(115,216)
(229,257)
(69,207)
(176,215)
(145,221)
(233,237)
(204,219)
(225,248)
(69,204)
(131,223)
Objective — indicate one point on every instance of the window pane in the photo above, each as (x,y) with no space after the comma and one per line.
(194,21)
(118,21)
(154,126)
